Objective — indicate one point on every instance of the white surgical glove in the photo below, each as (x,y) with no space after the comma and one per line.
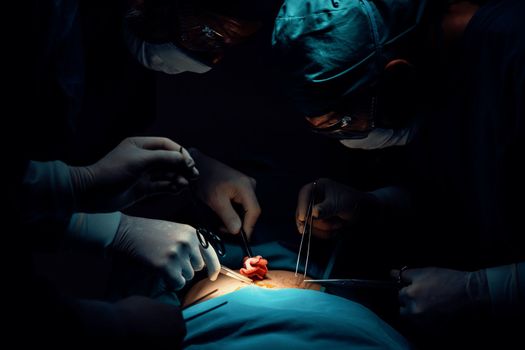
(136,168)
(219,186)
(172,249)
(434,292)
(335,206)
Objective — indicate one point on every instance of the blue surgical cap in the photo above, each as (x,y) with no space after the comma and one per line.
(331,48)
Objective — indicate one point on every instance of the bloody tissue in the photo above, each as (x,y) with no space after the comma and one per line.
(254,268)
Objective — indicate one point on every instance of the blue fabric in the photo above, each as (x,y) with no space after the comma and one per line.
(257,318)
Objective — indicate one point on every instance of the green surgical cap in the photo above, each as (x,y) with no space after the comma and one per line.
(330,48)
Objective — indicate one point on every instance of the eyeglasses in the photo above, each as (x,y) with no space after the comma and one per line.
(355,124)
(207,35)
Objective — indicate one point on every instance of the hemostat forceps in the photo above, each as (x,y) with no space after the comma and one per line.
(307,230)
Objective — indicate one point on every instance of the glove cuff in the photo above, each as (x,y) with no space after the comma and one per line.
(81,181)
(47,193)
(477,288)
(93,232)
(504,288)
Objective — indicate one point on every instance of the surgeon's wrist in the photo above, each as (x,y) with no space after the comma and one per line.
(119,243)
(477,289)
(82,180)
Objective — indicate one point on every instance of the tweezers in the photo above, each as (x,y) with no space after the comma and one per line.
(307,223)
(235,275)
(352,282)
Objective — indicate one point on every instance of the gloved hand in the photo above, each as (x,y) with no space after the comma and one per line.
(219,185)
(137,167)
(172,249)
(335,206)
(435,292)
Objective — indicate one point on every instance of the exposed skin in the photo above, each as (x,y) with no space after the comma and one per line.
(275,279)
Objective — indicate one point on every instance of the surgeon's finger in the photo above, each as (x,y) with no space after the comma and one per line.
(402,275)
(196,260)
(194,172)
(163,151)
(174,276)
(323,234)
(302,206)
(247,198)
(408,275)
(327,224)
(212,262)
(176,178)
(394,274)
(163,159)
(222,206)
(186,268)
(404,302)
(155,143)
(409,309)
(146,187)
(325,209)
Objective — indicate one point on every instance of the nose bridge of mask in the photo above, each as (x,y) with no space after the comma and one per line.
(381,138)
(164,57)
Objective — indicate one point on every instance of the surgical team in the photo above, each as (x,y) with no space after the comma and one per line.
(430,92)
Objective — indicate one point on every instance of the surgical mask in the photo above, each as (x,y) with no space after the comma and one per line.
(166,58)
(380,138)
(162,57)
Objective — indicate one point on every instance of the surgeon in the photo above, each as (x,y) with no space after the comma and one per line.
(80,204)
(357,69)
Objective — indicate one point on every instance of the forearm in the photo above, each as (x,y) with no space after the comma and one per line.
(93,232)
(47,192)
(48,195)
(506,287)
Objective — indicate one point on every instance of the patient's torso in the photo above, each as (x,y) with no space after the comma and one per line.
(275,279)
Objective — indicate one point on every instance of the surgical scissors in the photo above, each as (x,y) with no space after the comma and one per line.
(207,238)
(307,227)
